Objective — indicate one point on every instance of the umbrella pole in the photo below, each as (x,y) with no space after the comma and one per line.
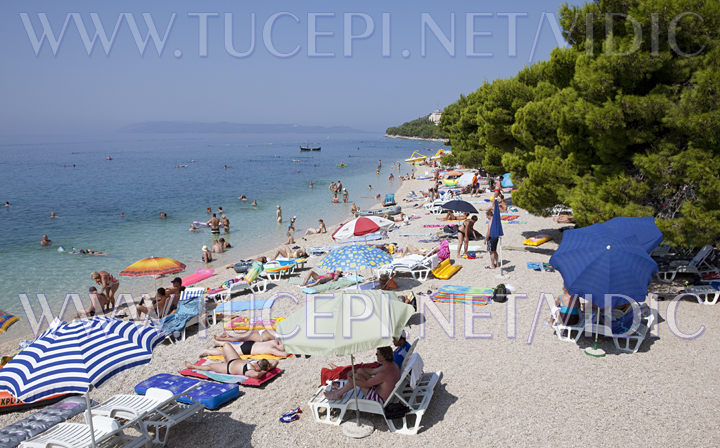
(357,430)
(88,416)
(500,259)
(596,352)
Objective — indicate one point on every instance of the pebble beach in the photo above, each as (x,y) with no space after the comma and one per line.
(506,378)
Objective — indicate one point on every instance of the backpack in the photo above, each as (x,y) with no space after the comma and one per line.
(500,294)
(396,410)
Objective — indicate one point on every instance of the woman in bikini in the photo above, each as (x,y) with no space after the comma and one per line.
(320,279)
(287,252)
(273,347)
(108,285)
(254,369)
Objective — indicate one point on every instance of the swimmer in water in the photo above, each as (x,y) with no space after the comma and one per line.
(311,184)
(254,203)
(52,214)
(45,241)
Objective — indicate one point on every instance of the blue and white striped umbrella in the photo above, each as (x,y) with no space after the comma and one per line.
(354,257)
(72,357)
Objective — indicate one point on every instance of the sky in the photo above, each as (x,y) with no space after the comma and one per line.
(368,65)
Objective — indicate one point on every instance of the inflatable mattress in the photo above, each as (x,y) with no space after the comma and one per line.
(41,421)
(210,395)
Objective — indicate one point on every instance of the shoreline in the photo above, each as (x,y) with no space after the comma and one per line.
(444,141)
(20,330)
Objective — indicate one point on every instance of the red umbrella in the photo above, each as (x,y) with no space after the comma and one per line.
(362,226)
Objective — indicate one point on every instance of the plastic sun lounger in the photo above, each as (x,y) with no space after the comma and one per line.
(107,432)
(170,413)
(416,399)
(698,265)
(705,294)
(275,270)
(564,332)
(418,266)
(629,343)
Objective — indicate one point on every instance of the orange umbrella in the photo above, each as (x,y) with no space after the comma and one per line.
(452,173)
(153,266)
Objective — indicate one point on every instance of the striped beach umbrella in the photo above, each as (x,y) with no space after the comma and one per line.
(354,257)
(71,357)
(74,357)
(153,266)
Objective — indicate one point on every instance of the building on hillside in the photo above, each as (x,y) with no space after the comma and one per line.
(435,116)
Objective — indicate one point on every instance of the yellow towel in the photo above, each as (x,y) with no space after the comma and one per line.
(262,356)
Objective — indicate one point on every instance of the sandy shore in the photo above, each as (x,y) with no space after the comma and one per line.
(497,390)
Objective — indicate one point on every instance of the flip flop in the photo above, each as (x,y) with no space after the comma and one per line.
(290,418)
(292,412)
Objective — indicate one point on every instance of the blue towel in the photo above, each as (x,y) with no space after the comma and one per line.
(176,321)
(244,305)
(223,378)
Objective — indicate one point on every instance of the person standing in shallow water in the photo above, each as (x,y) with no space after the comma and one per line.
(278,215)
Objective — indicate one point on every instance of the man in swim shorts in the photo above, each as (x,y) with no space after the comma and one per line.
(45,241)
(377,384)
(214,224)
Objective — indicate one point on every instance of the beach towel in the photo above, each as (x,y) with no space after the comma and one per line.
(236,306)
(509,217)
(333,285)
(534,266)
(414,234)
(434,225)
(186,310)
(241,379)
(197,277)
(463,294)
(6,320)
(260,356)
(242,323)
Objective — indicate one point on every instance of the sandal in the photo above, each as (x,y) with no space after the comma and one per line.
(289,418)
(292,412)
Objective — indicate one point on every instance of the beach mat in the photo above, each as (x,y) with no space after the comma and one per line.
(6,320)
(242,323)
(344,282)
(222,378)
(463,294)
(197,277)
(244,305)
(261,356)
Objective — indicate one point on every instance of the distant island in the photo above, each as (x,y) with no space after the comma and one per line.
(422,128)
(194,127)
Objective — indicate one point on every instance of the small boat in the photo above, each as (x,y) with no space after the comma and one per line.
(310,148)
(380,211)
(108,158)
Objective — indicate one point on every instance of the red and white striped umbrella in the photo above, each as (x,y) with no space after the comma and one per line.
(362,226)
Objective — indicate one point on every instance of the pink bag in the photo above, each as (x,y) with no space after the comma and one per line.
(444,250)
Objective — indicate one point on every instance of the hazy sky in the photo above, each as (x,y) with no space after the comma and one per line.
(359,64)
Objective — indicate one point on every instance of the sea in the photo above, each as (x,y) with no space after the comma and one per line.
(114,205)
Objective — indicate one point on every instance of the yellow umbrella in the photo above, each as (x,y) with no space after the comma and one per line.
(153,266)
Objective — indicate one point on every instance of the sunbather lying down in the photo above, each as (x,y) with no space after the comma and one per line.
(318,279)
(254,369)
(274,347)
(241,336)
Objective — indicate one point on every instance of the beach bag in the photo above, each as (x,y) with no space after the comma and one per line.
(396,410)
(444,250)
(500,294)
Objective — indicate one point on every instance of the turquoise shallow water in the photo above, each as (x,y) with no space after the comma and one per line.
(37,177)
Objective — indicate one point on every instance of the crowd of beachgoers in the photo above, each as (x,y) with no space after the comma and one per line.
(507,378)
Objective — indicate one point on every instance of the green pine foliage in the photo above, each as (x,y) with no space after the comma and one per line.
(422,128)
(612,125)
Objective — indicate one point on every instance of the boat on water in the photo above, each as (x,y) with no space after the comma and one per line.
(310,148)
(108,158)
(416,157)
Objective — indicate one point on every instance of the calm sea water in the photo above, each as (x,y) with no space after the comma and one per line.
(142,180)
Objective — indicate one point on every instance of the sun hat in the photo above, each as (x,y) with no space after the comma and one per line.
(204,248)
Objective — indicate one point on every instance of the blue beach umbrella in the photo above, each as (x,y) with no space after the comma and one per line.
(596,261)
(73,357)
(355,257)
(496,229)
(459,206)
(644,228)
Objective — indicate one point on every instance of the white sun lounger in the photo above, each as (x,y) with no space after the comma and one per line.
(565,332)
(416,265)
(416,399)
(705,294)
(698,265)
(107,431)
(629,343)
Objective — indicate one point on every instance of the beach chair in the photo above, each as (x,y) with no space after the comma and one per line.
(415,398)
(257,286)
(107,432)
(276,269)
(389,200)
(565,332)
(418,266)
(705,294)
(700,264)
(628,343)
(187,315)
